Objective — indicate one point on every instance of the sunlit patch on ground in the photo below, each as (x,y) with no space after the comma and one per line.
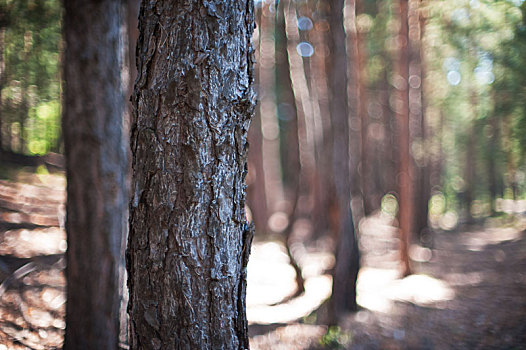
(298,336)
(271,280)
(379,288)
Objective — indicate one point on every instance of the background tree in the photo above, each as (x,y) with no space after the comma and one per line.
(405,174)
(343,297)
(96,165)
(189,240)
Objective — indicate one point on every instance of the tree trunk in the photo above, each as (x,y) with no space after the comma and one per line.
(291,162)
(189,240)
(493,153)
(96,164)
(354,123)
(256,195)
(2,74)
(267,107)
(418,118)
(405,174)
(347,254)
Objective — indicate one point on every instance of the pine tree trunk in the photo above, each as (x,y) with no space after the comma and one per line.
(189,240)
(96,164)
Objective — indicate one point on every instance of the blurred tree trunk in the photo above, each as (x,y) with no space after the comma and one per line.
(317,35)
(256,194)
(405,173)
(304,109)
(354,122)
(290,152)
(343,297)
(287,111)
(493,153)
(271,164)
(469,172)
(422,152)
(189,240)
(2,79)
(391,141)
(359,50)
(96,164)
(510,157)
(469,169)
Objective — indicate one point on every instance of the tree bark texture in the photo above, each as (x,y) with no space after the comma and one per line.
(347,254)
(96,164)
(189,240)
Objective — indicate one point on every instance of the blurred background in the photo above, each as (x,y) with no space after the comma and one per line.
(410,113)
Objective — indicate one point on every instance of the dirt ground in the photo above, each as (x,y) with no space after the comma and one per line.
(468,290)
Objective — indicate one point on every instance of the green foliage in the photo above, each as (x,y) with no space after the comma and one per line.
(30,90)
(475,65)
(335,338)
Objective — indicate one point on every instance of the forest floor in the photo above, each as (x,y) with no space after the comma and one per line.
(468,290)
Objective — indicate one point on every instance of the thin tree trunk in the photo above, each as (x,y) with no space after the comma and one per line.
(417,110)
(469,170)
(96,163)
(256,194)
(343,297)
(405,174)
(358,37)
(493,153)
(189,240)
(269,123)
(2,82)
(353,105)
(293,154)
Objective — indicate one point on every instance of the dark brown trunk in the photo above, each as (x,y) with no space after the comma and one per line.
(405,173)
(469,172)
(287,110)
(347,255)
(189,240)
(493,153)
(417,110)
(96,164)
(353,105)
(358,36)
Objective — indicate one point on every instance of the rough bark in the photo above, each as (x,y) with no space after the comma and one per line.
(405,174)
(347,254)
(96,163)
(189,240)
